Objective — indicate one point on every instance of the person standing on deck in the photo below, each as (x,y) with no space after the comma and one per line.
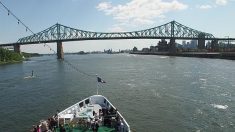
(96,127)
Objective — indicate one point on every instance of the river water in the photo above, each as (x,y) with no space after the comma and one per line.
(153,93)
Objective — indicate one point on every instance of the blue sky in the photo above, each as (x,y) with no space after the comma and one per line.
(213,16)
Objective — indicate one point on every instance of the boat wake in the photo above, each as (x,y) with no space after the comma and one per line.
(29,77)
(164,57)
(219,106)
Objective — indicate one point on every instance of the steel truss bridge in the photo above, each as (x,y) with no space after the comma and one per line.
(59,33)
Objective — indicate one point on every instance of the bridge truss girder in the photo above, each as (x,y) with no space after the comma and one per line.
(63,33)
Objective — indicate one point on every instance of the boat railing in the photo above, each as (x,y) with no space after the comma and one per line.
(74,107)
(126,127)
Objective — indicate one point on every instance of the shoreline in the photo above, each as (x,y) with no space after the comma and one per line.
(211,55)
(10,62)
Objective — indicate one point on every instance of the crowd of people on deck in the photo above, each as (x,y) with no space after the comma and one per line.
(47,125)
(105,117)
(113,120)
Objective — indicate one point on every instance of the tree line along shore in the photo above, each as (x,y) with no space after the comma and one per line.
(9,56)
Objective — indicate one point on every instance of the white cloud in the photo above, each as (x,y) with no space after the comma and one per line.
(205,7)
(140,12)
(221,2)
(215,5)
(104,6)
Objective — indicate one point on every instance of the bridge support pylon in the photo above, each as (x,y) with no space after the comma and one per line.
(172,46)
(17,48)
(60,53)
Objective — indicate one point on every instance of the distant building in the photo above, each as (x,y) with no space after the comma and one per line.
(193,44)
(162,45)
(145,50)
(109,51)
(179,46)
(153,48)
(126,51)
(184,43)
(135,49)
(215,45)
(189,45)
(208,45)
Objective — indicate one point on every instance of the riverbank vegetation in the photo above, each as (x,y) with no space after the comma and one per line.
(8,56)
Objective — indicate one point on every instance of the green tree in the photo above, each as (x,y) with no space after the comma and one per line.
(7,56)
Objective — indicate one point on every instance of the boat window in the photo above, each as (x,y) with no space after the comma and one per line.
(81,104)
(104,101)
(87,101)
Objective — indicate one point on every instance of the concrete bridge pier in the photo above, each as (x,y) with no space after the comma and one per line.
(17,48)
(60,53)
(172,46)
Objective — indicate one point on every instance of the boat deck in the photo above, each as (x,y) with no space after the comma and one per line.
(84,119)
(95,113)
(77,129)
